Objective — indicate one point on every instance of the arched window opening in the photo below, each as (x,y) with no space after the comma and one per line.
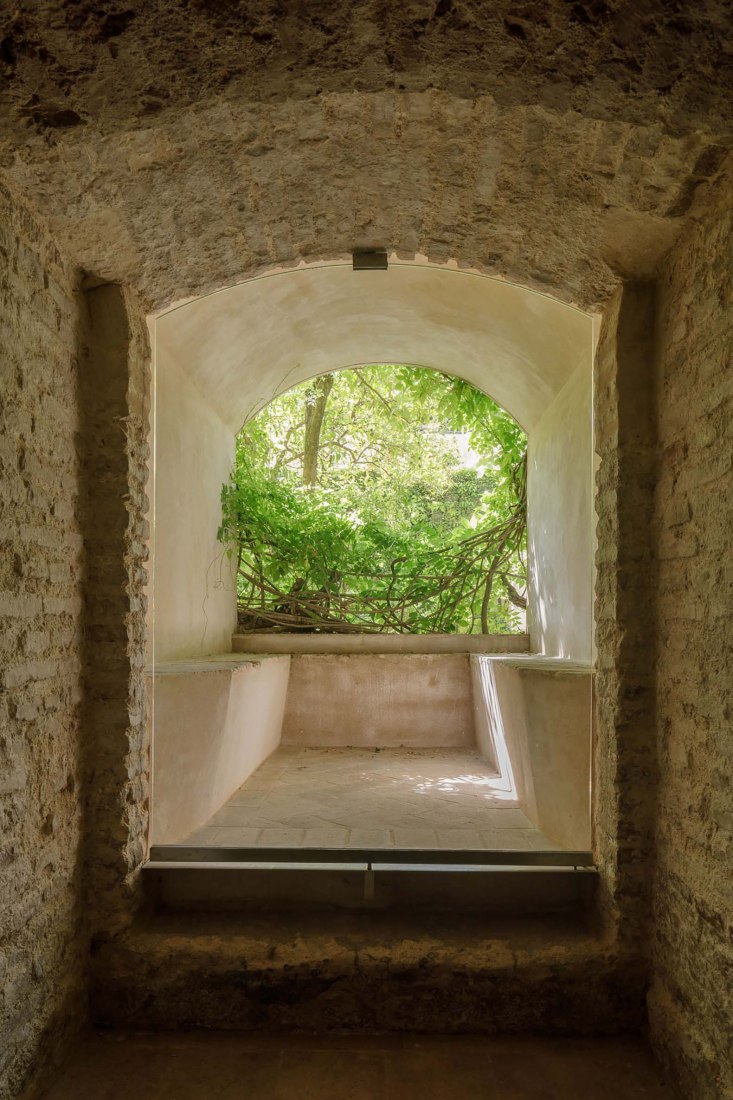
(379,499)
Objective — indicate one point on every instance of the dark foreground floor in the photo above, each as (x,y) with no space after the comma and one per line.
(217,1066)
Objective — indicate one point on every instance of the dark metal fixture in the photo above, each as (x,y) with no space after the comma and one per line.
(369,259)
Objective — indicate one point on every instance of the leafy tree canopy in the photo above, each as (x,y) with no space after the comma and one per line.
(381,498)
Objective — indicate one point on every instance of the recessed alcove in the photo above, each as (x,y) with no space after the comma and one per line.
(230,745)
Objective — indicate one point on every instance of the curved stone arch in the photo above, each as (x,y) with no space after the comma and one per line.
(556,200)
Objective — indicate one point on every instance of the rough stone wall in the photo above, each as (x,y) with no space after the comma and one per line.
(590,56)
(74,398)
(115,411)
(690,1001)
(180,147)
(555,143)
(42,945)
(367,972)
(624,758)
(194,201)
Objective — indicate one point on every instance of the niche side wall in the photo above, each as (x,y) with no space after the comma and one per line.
(691,1014)
(624,773)
(42,955)
(560,523)
(114,403)
(193,587)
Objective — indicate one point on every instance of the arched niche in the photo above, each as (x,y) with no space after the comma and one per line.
(220,358)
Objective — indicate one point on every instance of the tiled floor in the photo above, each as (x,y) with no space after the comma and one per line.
(296,1067)
(359,798)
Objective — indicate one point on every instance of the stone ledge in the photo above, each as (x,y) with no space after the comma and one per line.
(539,662)
(368,972)
(380,643)
(220,662)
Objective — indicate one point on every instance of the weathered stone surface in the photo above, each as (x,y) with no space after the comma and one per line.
(367,972)
(83,60)
(73,744)
(206,197)
(692,944)
(179,147)
(114,400)
(42,960)
(625,751)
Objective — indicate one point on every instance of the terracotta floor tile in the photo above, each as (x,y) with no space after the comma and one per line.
(281,838)
(204,836)
(245,797)
(413,798)
(459,838)
(414,838)
(231,835)
(325,837)
(368,838)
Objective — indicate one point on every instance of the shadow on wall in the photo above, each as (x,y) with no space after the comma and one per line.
(533,717)
(491,734)
(215,721)
(560,530)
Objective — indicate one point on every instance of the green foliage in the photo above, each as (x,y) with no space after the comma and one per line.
(399,533)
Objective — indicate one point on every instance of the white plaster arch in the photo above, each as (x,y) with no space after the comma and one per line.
(244,344)
(221,357)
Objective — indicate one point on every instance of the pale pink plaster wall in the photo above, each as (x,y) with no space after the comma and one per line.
(561,522)
(215,721)
(416,700)
(533,714)
(194,602)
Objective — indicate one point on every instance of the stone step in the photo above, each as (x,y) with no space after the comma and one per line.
(369,972)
